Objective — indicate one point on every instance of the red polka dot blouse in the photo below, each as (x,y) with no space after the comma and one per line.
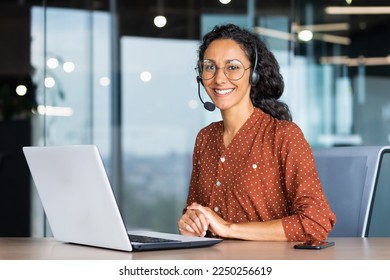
(267,172)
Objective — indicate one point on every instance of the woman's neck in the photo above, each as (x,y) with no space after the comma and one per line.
(233,120)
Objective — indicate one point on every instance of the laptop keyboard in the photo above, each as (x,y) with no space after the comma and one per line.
(148,239)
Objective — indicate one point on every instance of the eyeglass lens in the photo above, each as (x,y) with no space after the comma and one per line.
(233,69)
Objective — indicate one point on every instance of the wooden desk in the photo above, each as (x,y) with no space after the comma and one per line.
(345,249)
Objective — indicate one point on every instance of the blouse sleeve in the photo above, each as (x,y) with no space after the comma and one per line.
(310,215)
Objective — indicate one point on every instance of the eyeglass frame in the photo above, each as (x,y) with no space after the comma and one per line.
(199,72)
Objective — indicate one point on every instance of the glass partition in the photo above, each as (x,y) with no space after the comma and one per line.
(70,57)
(161,115)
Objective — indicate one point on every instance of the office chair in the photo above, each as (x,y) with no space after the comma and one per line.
(349,176)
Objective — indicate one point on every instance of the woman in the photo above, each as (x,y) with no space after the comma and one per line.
(253,176)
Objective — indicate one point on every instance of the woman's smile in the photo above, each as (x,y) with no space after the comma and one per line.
(223,91)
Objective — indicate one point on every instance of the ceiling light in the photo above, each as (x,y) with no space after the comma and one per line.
(104,81)
(68,67)
(54,111)
(353,62)
(52,63)
(340,40)
(160,21)
(357,10)
(343,26)
(146,76)
(305,35)
(290,36)
(50,82)
(21,90)
(274,33)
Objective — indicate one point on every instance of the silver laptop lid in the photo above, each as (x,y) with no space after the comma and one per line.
(74,173)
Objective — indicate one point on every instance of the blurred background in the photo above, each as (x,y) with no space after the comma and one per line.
(120,74)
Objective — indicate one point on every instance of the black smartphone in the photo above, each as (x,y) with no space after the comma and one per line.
(316,245)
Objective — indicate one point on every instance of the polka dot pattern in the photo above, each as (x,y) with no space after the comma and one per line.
(267,172)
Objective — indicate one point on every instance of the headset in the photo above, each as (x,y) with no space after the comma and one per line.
(255,76)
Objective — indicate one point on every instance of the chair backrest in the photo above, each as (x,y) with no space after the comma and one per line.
(349,176)
(378,222)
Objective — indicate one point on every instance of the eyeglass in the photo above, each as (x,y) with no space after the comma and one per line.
(233,69)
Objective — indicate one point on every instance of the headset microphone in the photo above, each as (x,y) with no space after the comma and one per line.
(207,105)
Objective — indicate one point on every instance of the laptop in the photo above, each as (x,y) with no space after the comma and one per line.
(80,206)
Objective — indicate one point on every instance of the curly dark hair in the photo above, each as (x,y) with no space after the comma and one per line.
(269,88)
